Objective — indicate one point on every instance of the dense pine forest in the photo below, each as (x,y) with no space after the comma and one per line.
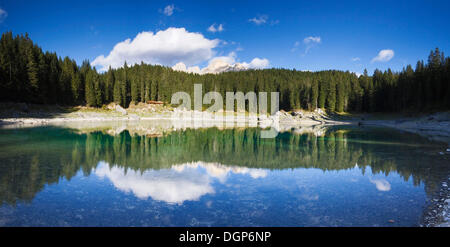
(30,75)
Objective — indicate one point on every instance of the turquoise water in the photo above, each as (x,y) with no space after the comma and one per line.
(348,176)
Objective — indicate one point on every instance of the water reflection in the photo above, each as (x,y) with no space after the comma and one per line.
(184,182)
(32,158)
(313,176)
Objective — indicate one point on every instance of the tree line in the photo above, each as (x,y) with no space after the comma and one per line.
(30,75)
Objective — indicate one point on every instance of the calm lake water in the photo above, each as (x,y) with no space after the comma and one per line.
(347,176)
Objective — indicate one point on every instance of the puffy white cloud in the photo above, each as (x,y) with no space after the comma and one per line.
(182,67)
(354,59)
(3,15)
(259,20)
(214,29)
(165,47)
(168,10)
(258,63)
(224,64)
(384,56)
(312,39)
(178,48)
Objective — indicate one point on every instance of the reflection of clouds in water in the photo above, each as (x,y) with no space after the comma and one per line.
(180,183)
(220,171)
(310,197)
(161,185)
(381,184)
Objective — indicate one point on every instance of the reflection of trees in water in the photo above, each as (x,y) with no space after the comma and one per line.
(44,155)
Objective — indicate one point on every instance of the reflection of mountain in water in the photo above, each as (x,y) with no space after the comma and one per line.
(180,183)
(32,158)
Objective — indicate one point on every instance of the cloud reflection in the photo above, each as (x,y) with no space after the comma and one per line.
(381,184)
(183,182)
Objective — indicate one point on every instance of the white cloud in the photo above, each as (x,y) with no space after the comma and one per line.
(258,63)
(214,29)
(296,45)
(178,48)
(384,56)
(3,15)
(354,59)
(259,20)
(311,39)
(168,10)
(180,66)
(310,42)
(224,64)
(165,47)
(274,22)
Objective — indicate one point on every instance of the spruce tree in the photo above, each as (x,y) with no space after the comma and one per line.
(90,90)
(117,92)
(331,97)
(322,93)
(32,71)
(314,94)
(340,97)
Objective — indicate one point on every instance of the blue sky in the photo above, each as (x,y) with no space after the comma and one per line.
(305,35)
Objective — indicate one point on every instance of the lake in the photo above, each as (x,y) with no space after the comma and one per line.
(337,176)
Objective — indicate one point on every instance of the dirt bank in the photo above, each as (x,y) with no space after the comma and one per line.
(433,126)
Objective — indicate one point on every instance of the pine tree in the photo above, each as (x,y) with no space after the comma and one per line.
(135,91)
(98,89)
(117,92)
(33,73)
(314,94)
(76,88)
(124,86)
(322,93)
(331,97)
(90,90)
(340,97)
(109,85)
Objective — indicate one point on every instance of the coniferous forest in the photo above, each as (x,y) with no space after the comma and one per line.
(30,75)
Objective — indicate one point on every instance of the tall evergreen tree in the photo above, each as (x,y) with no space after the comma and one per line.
(117,93)
(90,89)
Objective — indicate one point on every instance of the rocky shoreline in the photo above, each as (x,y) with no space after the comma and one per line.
(437,209)
(435,126)
(281,117)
